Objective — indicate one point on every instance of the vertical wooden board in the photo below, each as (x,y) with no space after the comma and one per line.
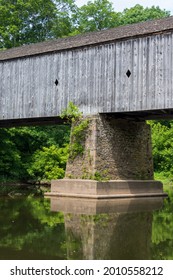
(110,77)
(90,80)
(55,88)
(169,63)
(67,80)
(74,79)
(7,89)
(171,74)
(133,99)
(145,72)
(128,85)
(99,78)
(26,87)
(168,70)
(160,96)
(5,113)
(139,85)
(2,93)
(151,74)
(89,84)
(83,67)
(61,84)
(165,70)
(70,81)
(118,74)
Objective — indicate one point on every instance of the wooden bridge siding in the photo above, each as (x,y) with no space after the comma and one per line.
(94,78)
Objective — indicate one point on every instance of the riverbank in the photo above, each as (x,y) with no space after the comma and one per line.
(17,189)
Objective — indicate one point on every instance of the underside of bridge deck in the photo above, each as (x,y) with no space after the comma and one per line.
(31,122)
(145,115)
(133,116)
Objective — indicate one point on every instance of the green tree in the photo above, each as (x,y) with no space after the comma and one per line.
(10,160)
(18,145)
(138,13)
(162,230)
(25,22)
(95,15)
(41,237)
(100,14)
(63,22)
(162,135)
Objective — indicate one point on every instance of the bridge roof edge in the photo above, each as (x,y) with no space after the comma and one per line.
(93,38)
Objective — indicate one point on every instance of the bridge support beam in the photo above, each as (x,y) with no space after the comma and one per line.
(109,157)
(113,149)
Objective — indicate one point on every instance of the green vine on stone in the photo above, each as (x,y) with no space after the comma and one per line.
(71,113)
(78,136)
(102,177)
(79,127)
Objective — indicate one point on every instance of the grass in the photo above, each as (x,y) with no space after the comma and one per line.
(167,181)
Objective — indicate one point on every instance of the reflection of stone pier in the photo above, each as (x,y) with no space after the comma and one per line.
(107,229)
(114,160)
(100,206)
(109,236)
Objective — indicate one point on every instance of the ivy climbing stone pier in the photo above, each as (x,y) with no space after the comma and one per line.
(109,157)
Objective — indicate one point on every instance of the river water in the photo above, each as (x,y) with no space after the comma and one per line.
(62,228)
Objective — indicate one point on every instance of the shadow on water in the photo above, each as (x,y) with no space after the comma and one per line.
(68,228)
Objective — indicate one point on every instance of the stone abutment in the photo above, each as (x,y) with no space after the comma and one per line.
(109,158)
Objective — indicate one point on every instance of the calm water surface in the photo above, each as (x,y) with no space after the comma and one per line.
(38,228)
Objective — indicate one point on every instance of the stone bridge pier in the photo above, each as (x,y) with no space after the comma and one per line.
(109,157)
(114,149)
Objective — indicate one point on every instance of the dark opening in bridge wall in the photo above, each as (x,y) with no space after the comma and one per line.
(56,82)
(128,73)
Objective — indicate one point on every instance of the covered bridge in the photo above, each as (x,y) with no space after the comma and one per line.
(126,70)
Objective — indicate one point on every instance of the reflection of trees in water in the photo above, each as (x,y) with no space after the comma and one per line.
(109,236)
(30,231)
(162,231)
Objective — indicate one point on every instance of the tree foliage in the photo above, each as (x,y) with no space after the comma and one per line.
(138,13)
(99,14)
(10,160)
(24,22)
(29,153)
(48,163)
(41,237)
(96,15)
(162,230)
(162,135)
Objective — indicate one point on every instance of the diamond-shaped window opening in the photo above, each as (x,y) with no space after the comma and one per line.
(56,82)
(128,73)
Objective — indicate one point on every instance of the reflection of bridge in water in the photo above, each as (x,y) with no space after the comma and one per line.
(118,78)
(113,229)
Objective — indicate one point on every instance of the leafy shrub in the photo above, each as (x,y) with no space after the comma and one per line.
(162,143)
(49,163)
